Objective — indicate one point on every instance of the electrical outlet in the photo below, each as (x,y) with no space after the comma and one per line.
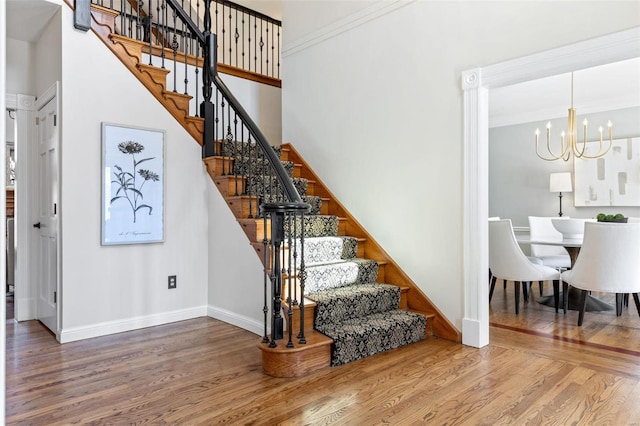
(173,281)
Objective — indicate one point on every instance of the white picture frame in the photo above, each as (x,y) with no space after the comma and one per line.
(611,180)
(132,185)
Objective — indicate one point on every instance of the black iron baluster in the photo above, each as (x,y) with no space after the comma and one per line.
(123,27)
(174,48)
(129,20)
(164,31)
(267,47)
(255,43)
(237,36)
(290,285)
(249,42)
(292,231)
(253,159)
(278,53)
(197,71)
(138,22)
(230,35)
(224,31)
(187,49)
(303,277)
(147,22)
(243,16)
(261,48)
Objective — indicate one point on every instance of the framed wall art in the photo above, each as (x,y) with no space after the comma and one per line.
(611,180)
(132,185)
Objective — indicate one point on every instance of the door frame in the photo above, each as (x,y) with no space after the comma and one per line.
(52,93)
(476,84)
(25,106)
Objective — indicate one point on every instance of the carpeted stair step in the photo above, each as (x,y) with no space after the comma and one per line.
(258,184)
(353,301)
(314,226)
(234,148)
(319,250)
(338,274)
(250,166)
(360,337)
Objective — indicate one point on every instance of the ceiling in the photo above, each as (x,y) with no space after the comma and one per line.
(601,88)
(26,19)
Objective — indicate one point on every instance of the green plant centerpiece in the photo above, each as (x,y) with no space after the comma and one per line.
(619,217)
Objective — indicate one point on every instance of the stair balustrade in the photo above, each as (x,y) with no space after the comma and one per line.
(247,40)
(180,38)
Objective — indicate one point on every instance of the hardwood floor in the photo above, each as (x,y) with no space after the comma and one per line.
(204,371)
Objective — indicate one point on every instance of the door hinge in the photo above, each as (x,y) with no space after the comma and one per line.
(55,120)
(55,297)
(37,121)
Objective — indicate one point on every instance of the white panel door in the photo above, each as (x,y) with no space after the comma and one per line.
(47,226)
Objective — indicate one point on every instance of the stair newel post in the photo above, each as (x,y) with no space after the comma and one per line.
(209,70)
(277,238)
(265,260)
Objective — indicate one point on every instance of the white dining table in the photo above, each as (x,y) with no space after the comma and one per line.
(572,245)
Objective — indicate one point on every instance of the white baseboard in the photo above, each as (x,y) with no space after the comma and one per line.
(112,327)
(472,333)
(246,323)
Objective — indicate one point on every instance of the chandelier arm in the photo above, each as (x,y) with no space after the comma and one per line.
(553,156)
(600,153)
(564,149)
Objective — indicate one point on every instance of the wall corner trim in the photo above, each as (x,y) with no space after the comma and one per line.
(347,23)
(244,322)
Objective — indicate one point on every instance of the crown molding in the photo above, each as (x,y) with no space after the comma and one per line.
(342,25)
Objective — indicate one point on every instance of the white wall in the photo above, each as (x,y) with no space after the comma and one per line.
(235,271)
(519,180)
(113,288)
(375,114)
(48,54)
(20,74)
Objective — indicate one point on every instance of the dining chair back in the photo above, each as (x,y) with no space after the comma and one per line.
(541,228)
(609,261)
(508,262)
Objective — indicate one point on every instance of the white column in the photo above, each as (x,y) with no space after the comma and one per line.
(475,323)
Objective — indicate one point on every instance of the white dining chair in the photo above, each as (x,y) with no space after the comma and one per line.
(509,263)
(609,261)
(541,228)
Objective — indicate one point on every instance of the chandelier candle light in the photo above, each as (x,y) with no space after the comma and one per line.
(569,141)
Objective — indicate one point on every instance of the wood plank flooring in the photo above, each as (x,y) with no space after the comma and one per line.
(206,372)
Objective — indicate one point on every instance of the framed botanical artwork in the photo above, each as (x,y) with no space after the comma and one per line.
(611,180)
(132,185)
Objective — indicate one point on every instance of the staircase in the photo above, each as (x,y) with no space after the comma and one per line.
(357,301)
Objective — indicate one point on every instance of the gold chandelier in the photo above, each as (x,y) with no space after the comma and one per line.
(569,141)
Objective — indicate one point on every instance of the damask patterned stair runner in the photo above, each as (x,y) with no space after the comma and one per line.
(359,314)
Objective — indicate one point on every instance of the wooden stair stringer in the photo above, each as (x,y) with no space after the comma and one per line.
(416,299)
(129,52)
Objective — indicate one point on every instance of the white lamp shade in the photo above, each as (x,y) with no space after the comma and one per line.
(560,182)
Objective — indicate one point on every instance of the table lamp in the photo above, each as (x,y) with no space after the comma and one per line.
(560,182)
